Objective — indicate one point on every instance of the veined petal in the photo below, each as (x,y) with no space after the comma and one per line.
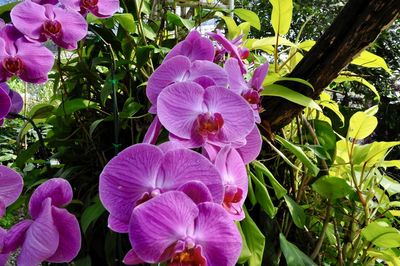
(167,73)
(252,148)
(28,17)
(15,236)
(5,103)
(178,107)
(153,131)
(117,225)
(11,185)
(3,257)
(131,258)
(259,76)
(157,224)
(201,68)
(71,4)
(127,177)
(236,112)
(16,101)
(57,189)
(237,83)
(170,146)
(41,238)
(181,166)
(69,236)
(218,235)
(197,191)
(106,8)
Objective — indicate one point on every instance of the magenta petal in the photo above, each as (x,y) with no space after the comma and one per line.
(159,223)
(28,17)
(235,76)
(11,185)
(153,131)
(15,236)
(217,235)
(170,146)
(131,258)
(197,191)
(69,236)
(201,68)
(74,28)
(252,148)
(236,112)
(71,4)
(105,8)
(41,239)
(259,76)
(178,107)
(3,257)
(16,101)
(181,166)
(37,61)
(169,72)
(5,103)
(127,177)
(57,189)
(44,2)
(194,47)
(117,225)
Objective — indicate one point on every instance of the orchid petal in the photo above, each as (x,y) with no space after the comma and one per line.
(11,185)
(15,236)
(197,191)
(28,18)
(258,77)
(201,68)
(5,103)
(235,76)
(131,258)
(153,131)
(252,148)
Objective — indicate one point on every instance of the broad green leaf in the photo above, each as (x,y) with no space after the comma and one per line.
(245,252)
(274,79)
(126,21)
(255,240)
(42,110)
(233,29)
(372,110)
(378,150)
(389,256)
(178,21)
(143,54)
(71,106)
(130,108)
(280,191)
(248,16)
(391,163)
(263,197)
(382,235)
(149,32)
(7,7)
(270,41)
(390,185)
(343,78)
(293,255)
(326,136)
(91,214)
(281,15)
(297,213)
(326,101)
(306,45)
(290,95)
(86,261)
(244,29)
(368,59)
(299,153)
(332,187)
(361,125)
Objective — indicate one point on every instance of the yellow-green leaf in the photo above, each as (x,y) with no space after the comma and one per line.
(370,60)
(348,76)
(306,45)
(326,101)
(233,29)
(248,16)
(361,125)
(126,21)
(382,235)
(281,15)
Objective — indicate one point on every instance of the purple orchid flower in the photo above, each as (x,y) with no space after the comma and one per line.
(11,185)
(30,61)
(99,8)
(5,105)
(172,228)
(179,69)
(195,47)
(14,103)
(44,2)
(3,257)
(249,90)
(233,48)
(194,115)
(42,22)
(143,171)
(248,150)
(53,234)
(234,177)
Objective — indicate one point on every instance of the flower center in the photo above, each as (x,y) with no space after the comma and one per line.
(209,124)
(148,196)
(188,257)
(252,97)
(89,3)
(13,65)
(51,27)
(232,195)
(244,53)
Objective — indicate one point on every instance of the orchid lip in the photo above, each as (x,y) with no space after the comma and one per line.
(52,28)
(209,124)
(89,3)
(13,65)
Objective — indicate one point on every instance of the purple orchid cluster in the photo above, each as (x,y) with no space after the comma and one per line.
(179,206)
(10,102)
(52,234)
(22,52)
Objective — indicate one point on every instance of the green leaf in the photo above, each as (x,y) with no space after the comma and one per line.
(370,60)
(130,108)
(326,101)
(299,153)
(178,21)
(280,191)
(71,106)
(344,78)
(263,197)
(326,137)
(389,256)
(143,55)
(382,235)
(91,214)
(233,29)
(245,253)
(94,125)
(86,261)
(281,15)
(332,187)
(8,7)
(40,111)
(149,32)
(255,240)
(248,16)
(297,213)
(282,155)
(126,21)
(270,41)
(361,125)
(306,45)
(293,255)
(378,150)
(390,185)
(290,95)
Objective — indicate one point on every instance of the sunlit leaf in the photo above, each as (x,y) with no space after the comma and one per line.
(361,125)
(127,22)
(382,235)
(280,191)
(343,78)
(332,187)
(368,59)
(281,15)
(248,16)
